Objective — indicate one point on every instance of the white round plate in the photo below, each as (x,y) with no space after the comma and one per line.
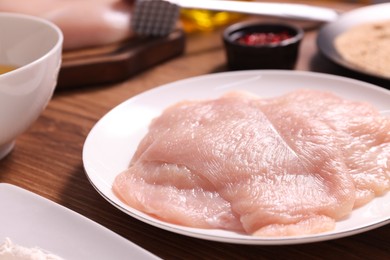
(330,31)
(112,142)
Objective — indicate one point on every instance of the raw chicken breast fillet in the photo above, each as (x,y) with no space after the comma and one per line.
(362,134)
(84,23)
(290,165)
(267,167)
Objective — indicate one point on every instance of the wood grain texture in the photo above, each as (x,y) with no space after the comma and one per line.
(47,160)
(119,61)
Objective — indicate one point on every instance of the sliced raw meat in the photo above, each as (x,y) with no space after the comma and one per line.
(362,134)
(240,162)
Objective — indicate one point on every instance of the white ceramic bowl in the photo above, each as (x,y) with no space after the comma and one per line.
(34,46)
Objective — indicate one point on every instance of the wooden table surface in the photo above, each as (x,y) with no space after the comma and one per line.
(47,159)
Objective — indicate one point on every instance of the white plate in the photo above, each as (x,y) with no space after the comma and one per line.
(33,221)
(330,31)
(113,140)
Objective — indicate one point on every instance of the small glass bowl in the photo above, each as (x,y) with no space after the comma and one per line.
(281,54)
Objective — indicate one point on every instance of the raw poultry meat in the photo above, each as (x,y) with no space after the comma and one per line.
(84,23)
(362,133)
(290,165)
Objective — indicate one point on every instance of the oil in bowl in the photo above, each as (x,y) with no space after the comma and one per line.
(6,68)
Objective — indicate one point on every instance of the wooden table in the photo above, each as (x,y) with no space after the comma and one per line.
(47,160)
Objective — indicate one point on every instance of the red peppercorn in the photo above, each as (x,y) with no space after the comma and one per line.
(263,38)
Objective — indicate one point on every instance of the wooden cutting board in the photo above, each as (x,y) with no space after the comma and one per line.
(117,62)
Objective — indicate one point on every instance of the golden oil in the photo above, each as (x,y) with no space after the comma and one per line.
(204,20)
(6,68)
